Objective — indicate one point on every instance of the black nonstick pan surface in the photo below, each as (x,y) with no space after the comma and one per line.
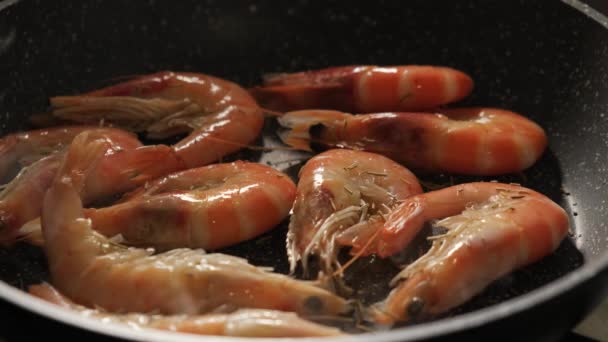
(545,59)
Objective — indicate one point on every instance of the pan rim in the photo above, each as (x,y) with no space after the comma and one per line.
(437,328)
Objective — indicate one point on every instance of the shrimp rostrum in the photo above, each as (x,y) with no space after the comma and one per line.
(95,271)
(492,230)
(342,190)
(470,141)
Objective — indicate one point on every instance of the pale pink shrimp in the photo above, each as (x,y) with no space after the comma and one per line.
(208,207)
(339,189)
(21,149)
(94,271)
(243,322)
(364,89)
(221,116)
(126,165)
(472,141)
(492,229)
(21,199)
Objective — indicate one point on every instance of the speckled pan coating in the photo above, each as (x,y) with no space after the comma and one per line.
(542,59)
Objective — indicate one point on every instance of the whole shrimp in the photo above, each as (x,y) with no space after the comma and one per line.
(364,89)
(471,141)
(220,116)
(95,271)
(492,229)
(243,322)
(126,164)
(339,190)
(208,207)
(21,149)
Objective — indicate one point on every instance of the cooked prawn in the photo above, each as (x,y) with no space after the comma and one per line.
(21,199)
(339,189)
(208,207)
(126,164)
(21,149)
(220,116)
(95,271)
(364,89)
(472,141)
(243,322)
(492,229)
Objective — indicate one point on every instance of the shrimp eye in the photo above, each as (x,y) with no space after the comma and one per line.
(315,132)
(313,304)
(414,308)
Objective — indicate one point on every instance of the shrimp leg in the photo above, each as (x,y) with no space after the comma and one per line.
(471,141)
(209,207)
(343,190)
(219,116)
(125,165)
(93,270)
(21,149)
(493,229)
(243,322)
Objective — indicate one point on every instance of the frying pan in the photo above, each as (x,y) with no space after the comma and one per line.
(544,59)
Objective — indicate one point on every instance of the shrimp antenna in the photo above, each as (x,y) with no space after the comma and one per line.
(271,113)
(253,147)
(340,271)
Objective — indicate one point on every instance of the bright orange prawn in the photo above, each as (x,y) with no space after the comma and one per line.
(343,189)
(492,229)
(364,89)
(126,165)
(243,322)
(220,116)
(94,271)
(208,207)
(472,141)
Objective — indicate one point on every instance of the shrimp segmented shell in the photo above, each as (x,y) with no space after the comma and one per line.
(492,230)
(470,141)
(21,149)
(243,322)
(364,88)
(220,116)
(339,190)
(208,207)
(125,165)
(94,271)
